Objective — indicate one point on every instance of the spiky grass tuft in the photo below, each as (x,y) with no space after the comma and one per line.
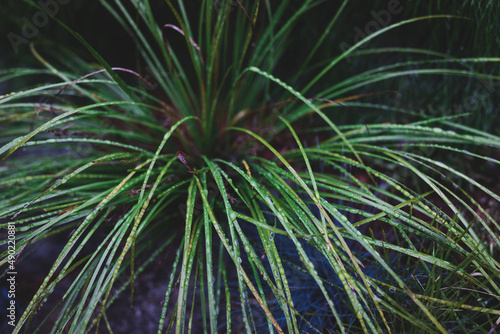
(281,218)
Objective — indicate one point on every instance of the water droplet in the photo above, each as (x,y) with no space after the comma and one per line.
(239,260)
(437,130)
(236,243)
(439,163)
(269,200)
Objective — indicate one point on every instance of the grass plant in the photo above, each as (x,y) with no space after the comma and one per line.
(264,164)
